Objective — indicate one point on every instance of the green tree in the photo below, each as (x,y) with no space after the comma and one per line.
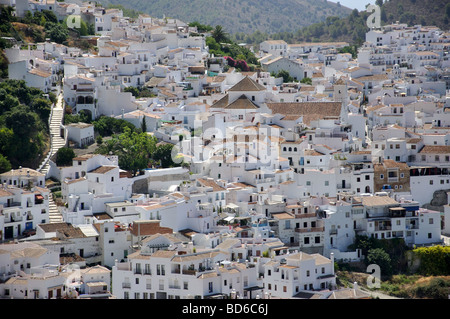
(6,137)
(381,258)
(202,28)
(163,154)
(220,35)
(285,75)
(133,90)
(5,165)
(434,261)
(57,32)
(133,149)
(64,156)
(107,126)
(144,125)
(306,81)
(42,107)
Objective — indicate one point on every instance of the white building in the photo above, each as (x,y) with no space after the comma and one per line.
(290,274)
(172,274)
(30,271)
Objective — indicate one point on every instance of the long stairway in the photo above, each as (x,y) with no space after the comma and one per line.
(56,143)
(53,212)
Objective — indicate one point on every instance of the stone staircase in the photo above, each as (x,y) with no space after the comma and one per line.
(53,212)
(56,141)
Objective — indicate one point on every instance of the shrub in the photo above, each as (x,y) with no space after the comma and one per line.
(64,156)
(434,260)
(436,288)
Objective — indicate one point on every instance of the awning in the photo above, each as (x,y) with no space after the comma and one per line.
(229,218)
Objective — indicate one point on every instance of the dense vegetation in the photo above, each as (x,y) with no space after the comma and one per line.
(405,272)
(137,150)
(241,15)
(36,27)
(353,27)
(24,114)
(220,44)
(389,254)
(434,261)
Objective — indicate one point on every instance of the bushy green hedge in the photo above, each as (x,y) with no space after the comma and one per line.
(434,261)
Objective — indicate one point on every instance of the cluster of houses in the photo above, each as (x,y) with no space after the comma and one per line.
(279,178)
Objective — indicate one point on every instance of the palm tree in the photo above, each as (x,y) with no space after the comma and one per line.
(219,34)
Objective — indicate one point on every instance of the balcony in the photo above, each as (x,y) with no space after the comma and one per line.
(344,186)
(309,215)
(309,230)
(126,285)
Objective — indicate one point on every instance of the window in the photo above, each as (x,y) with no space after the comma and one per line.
(431,182)
(306,240)
(431,221)
(307,273)
(147,269)
(381,176)
(287,224)
(327,183)
(367,177)
(160,270)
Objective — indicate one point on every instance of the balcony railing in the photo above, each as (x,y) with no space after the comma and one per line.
(309,215)
(344,186)
(126,285)
(309,230)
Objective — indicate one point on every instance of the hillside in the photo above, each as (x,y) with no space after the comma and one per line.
(352,28)
(424,12)
(245,16)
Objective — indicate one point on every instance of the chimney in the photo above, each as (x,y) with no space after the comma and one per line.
(332,262)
